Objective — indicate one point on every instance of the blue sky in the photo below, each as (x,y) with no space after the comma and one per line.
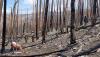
(24,5)
(28,4)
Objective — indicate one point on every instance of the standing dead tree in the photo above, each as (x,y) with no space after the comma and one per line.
(64,19)
(14,24)
(17,17)
(51,19)
(21,25)
(25,28)
(99,6)
(72,38)
(10,24)
(66,13)
(94,12)
(27,22)
(40,3)
(1,4)
(4,28)
(81,3)
(65,4)
(57,15)
(87,8)
(60,18)
(37,21)
(45,20)
(97,10)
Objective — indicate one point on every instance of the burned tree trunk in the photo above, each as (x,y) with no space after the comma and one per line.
(1,4)
(72,38)
(94,12)
(81,11)
(51,19)
(17,17)
(4,29)
(64,10)
(87,8)
(27,22)
(60,20)
(37,21)
(57,15)
(14,24)
(40,14)
(45,20)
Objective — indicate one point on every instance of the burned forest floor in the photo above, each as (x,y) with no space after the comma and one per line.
(88,45)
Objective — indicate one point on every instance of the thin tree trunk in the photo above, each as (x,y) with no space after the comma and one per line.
(14,24)
(57,15)
(37,21)
(21,25)
(94,13)
(51,19)
(1,5)
(17,18)
(64,19)
(40,14)
(81,11)
(4,28)
(60,20)
(27,22)
(72,38)
(45,20)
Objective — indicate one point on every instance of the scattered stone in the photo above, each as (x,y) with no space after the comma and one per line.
(83,56)
(98,50)
(49,56)
(17,52)
(60,47)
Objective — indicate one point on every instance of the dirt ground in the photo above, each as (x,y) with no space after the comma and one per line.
(59,46)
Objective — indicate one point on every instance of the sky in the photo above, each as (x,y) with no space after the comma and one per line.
(24,5)
(28,5)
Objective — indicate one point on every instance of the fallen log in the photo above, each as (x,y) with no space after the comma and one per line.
(88,51)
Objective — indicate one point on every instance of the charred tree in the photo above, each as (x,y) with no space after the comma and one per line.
(87,8)
(66,13)
(40,13)
(14,23)
(45,20)
(1,5)
(51,19)
(4,28)
(17,17)
(81,11)
(37,21)
(60,19)
(94,12)
(72,38)
(21,25)
(27,23)
(64,10)
(57,16)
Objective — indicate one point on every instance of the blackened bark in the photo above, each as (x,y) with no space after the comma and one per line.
(1,4)
(51,19)
(94,13)
(17,18)
(57,15)
(60,20)
(37,21)
(64,19)
(40,14)
(45,20)
(72,39)
(4,29)
(81,11)
(27,22)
